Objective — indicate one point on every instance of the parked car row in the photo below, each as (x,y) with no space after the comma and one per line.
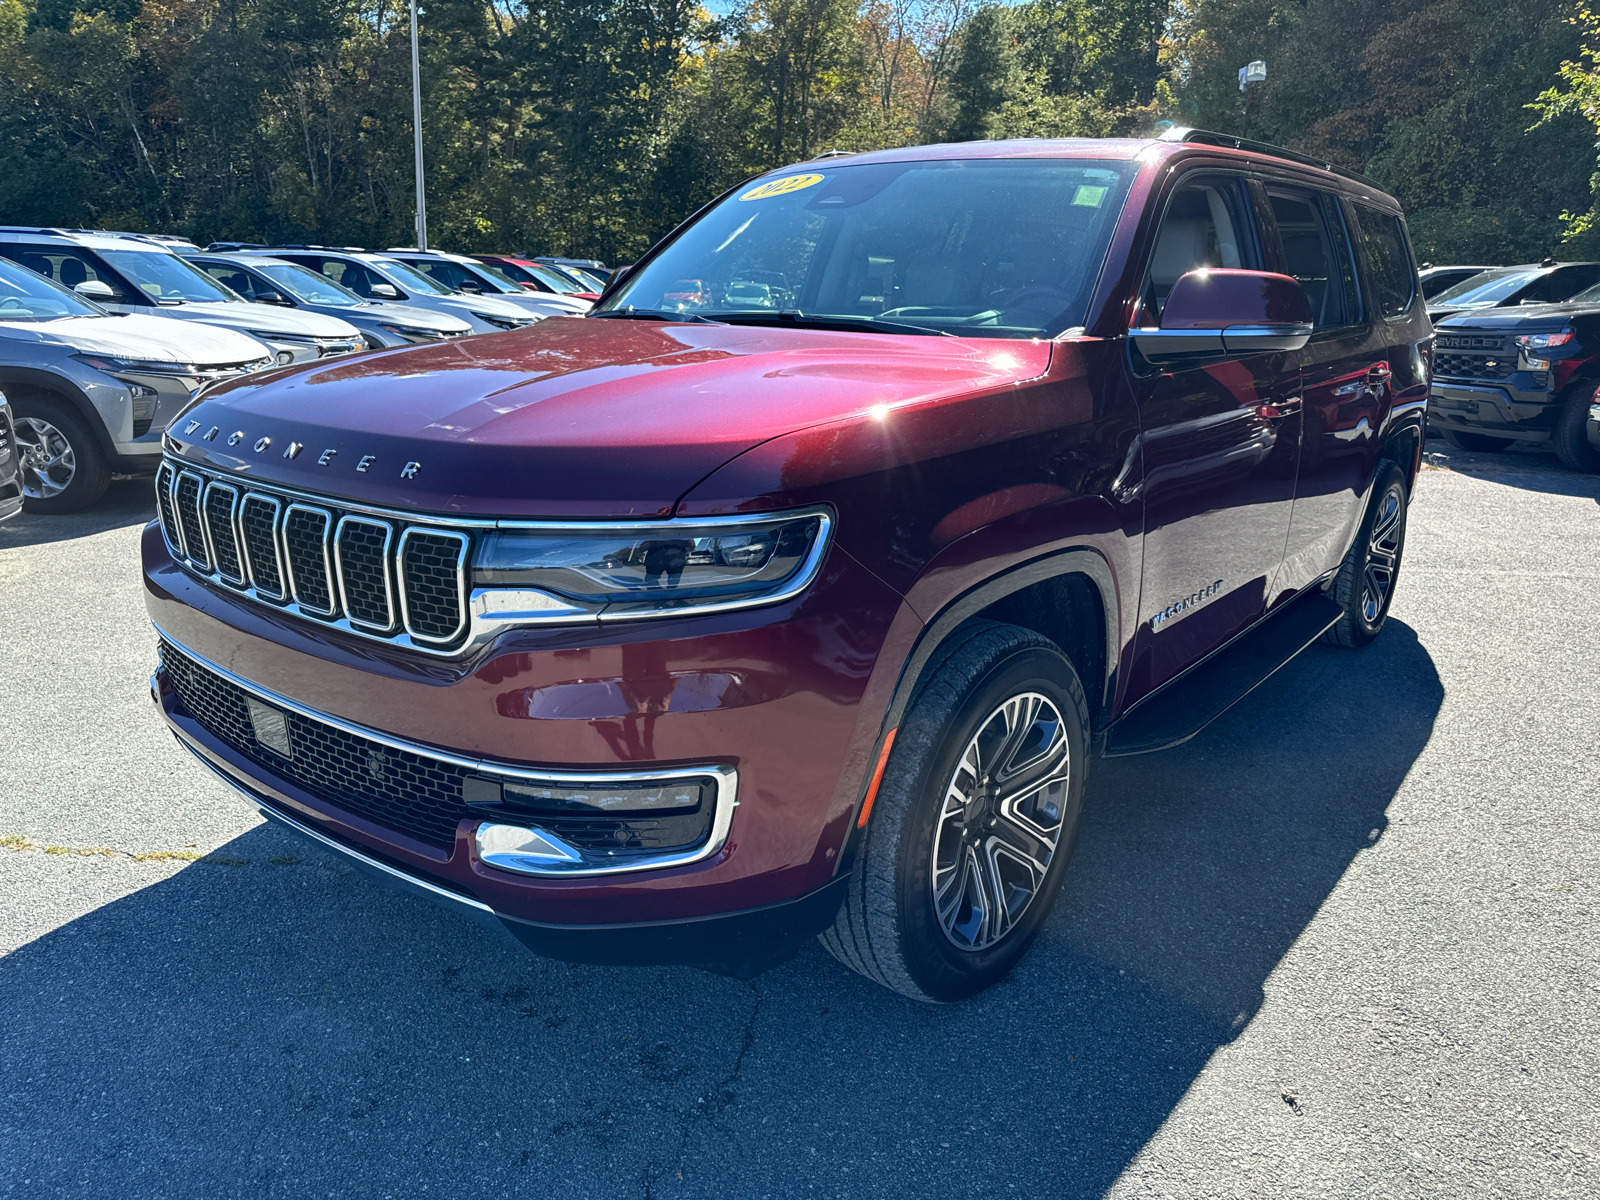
(1517,359)
(90,396)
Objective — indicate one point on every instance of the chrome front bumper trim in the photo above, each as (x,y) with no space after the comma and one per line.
(725,777)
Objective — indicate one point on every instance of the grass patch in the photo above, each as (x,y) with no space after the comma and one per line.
(283,860)
(167,856)
(15,841)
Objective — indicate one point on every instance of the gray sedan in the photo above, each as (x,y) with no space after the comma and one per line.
(289,285)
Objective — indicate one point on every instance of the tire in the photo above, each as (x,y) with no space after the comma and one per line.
(1571,436)
(1476,441)
(62,467)
(1364,585)
(890,927)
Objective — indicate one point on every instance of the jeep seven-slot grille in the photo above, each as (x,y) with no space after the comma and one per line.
(378,576)
(414,794)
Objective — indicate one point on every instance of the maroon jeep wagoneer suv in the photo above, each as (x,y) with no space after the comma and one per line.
(792,590)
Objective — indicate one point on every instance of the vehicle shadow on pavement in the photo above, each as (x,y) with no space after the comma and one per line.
(126,502)
(284,1027)
(1529,470)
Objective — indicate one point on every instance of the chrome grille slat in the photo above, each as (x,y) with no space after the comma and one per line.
(220,505)
(361,561)
(433,600)
(186,499)
(306,535)
(339,565)
(258,538)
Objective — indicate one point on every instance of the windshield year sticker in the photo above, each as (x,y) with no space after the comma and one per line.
(795,183)
(1089,197)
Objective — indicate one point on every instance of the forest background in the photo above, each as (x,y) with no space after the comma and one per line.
(591,127)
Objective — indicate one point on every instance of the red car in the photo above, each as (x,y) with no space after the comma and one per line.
(536,277)
(684,632)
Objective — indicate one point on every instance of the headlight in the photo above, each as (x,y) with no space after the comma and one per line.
(412,334)
(633,571)
(140,366)
(1542,341)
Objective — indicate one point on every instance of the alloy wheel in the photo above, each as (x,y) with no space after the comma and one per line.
(46,458)
(1383,555)
(1000,821)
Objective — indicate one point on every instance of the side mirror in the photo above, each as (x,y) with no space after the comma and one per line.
(1226,311)
(95,289)
(273,298)
(385,291)
(471,287)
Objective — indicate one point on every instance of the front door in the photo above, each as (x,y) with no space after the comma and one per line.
(1219,446)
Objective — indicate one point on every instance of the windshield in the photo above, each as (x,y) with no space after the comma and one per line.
(305,284)
(987,247)
(534,273)
(164,276)
(1486,288)
(25,296)
(412,278)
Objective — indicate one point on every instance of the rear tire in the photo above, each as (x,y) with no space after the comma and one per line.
(1364,586)
(62,467)
(974,822)
(1481,442)
(1571,435)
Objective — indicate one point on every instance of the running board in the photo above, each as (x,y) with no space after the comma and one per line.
(1188,704)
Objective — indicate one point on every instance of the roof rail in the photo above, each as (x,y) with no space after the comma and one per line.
(1205,137)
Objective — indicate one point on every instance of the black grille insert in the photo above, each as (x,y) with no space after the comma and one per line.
(186,499)
(431,571)
(305,545)
(1473,366)
(169,517)
(362,547)
(219,505)
(258,519)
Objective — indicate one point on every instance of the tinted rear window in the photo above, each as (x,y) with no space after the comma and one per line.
(1391,273)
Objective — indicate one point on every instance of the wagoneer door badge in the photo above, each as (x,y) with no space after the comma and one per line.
(1179,607)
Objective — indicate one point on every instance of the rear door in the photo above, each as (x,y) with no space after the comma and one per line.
(1344,376)
(1218,461)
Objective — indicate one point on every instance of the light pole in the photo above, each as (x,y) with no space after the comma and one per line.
(1249,76)
(416,132)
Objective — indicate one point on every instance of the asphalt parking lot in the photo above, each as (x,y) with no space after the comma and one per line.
(1345,943)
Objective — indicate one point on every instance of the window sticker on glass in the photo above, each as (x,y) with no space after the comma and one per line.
(789,183)
(1089,197)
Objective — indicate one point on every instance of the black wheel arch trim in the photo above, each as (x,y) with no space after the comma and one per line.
(32,380)
(1075,560)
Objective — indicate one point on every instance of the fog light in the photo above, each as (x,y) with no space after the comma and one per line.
(285,357)
(517,849)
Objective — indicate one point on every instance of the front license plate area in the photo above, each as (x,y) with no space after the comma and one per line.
(271,728)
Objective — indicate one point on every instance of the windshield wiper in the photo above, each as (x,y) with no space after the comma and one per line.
(649,314)
(800,320)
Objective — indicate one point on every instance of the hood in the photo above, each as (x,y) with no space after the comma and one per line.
(1524,318)
(547,304)
(573,417)
(137,336)
(502,306)
(266,317)
(406,314)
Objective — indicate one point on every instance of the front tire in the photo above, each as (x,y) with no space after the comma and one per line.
(1364,586)
(62,467)
(1481,442)
(974,822)
(1571,435)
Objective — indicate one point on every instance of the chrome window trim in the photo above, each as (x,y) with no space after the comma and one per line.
(465,619)
(388,580)
(725,777)
(216,485)
(177,511)
(251,586)
(327,559)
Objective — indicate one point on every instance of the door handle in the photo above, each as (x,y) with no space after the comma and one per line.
(1379,374)
(1276,412)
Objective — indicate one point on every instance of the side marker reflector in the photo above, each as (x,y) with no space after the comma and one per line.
(877,778)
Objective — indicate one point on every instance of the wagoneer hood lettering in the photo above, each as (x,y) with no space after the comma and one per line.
(572,417)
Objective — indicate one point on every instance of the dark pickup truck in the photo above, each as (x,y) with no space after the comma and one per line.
(1525,374)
